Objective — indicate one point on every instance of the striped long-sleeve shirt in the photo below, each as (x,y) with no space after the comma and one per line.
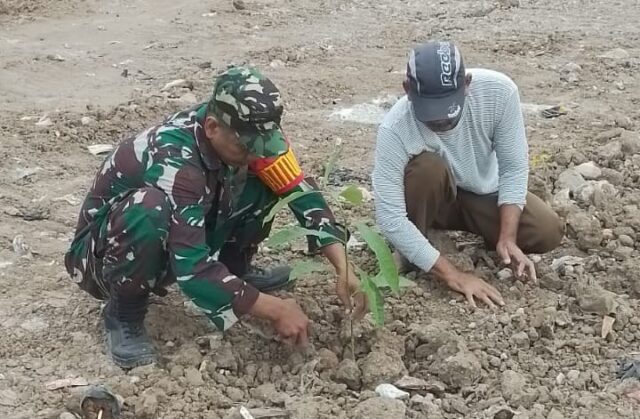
(487,152)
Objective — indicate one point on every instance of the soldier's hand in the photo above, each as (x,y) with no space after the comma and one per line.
(286,316)
(292,324)
(349,292)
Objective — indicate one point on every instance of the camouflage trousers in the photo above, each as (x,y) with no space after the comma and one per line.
(127,253)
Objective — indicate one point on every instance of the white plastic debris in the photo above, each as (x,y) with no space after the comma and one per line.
(244,412)
(177,83)
(20,247)
(66,382)
(366,195)
(391,392)
(45,121)
(98,149)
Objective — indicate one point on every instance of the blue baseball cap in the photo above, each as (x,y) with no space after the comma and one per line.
(436,77)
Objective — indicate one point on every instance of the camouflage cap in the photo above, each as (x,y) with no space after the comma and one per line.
(247,101)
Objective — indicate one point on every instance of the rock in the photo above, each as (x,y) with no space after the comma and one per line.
(622,253)
(630,142)
(571,68)
(67,415)
(513,386)
(239,5)
(225,359)
(599,193)
(87,120)
(595,299)
(555,414)
(235,394)
(573,375)
(613,176)
(605,136)
(8,398)
(431,337)
(277,64)
(347,372)
(411,383)
(586,229)
(505,274)
(604,194)
(268,394)
(570,179)
(507,4)
(520,340)
(188,356)
(589,170)
(616,54)
(551,281)
(379,367)
(386,341)
(147,405)
(379,408)
(194,377)
(610,151)
(327,360)
(426,405)
(460,370)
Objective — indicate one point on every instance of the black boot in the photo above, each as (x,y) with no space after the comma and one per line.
(276,278)
(127,338)
(239,262)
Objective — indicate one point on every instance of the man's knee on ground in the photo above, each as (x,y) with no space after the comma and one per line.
(547,234)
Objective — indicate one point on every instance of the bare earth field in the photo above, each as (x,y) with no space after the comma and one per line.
(75,73)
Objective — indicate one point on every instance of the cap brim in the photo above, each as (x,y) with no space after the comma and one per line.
(265,144)
(429,109)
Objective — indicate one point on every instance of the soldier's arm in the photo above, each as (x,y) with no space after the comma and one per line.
(207,282)
(284,176)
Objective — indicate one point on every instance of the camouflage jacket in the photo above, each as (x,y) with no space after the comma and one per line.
(177,158)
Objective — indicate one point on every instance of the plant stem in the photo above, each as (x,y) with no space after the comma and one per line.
(346,261)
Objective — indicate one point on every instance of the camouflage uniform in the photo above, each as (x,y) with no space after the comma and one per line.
(164,208)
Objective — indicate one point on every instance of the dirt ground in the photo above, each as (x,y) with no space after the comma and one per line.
(75,73)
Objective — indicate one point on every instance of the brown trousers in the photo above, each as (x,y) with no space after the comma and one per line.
(434,202)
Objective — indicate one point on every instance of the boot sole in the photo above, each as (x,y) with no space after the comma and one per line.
(128,363)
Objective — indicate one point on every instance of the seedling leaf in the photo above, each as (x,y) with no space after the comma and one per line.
(374,298)
(284,202)
(287,235)
(388,268)
(305,267)
(352,194)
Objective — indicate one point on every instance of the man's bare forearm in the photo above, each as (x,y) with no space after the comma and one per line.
(509,221)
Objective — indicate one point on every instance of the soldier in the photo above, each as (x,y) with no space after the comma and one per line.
(185,202)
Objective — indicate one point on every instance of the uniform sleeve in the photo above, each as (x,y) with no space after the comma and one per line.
(512,152)
(313,212)
(284,177)
(221,295)
(391,210)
